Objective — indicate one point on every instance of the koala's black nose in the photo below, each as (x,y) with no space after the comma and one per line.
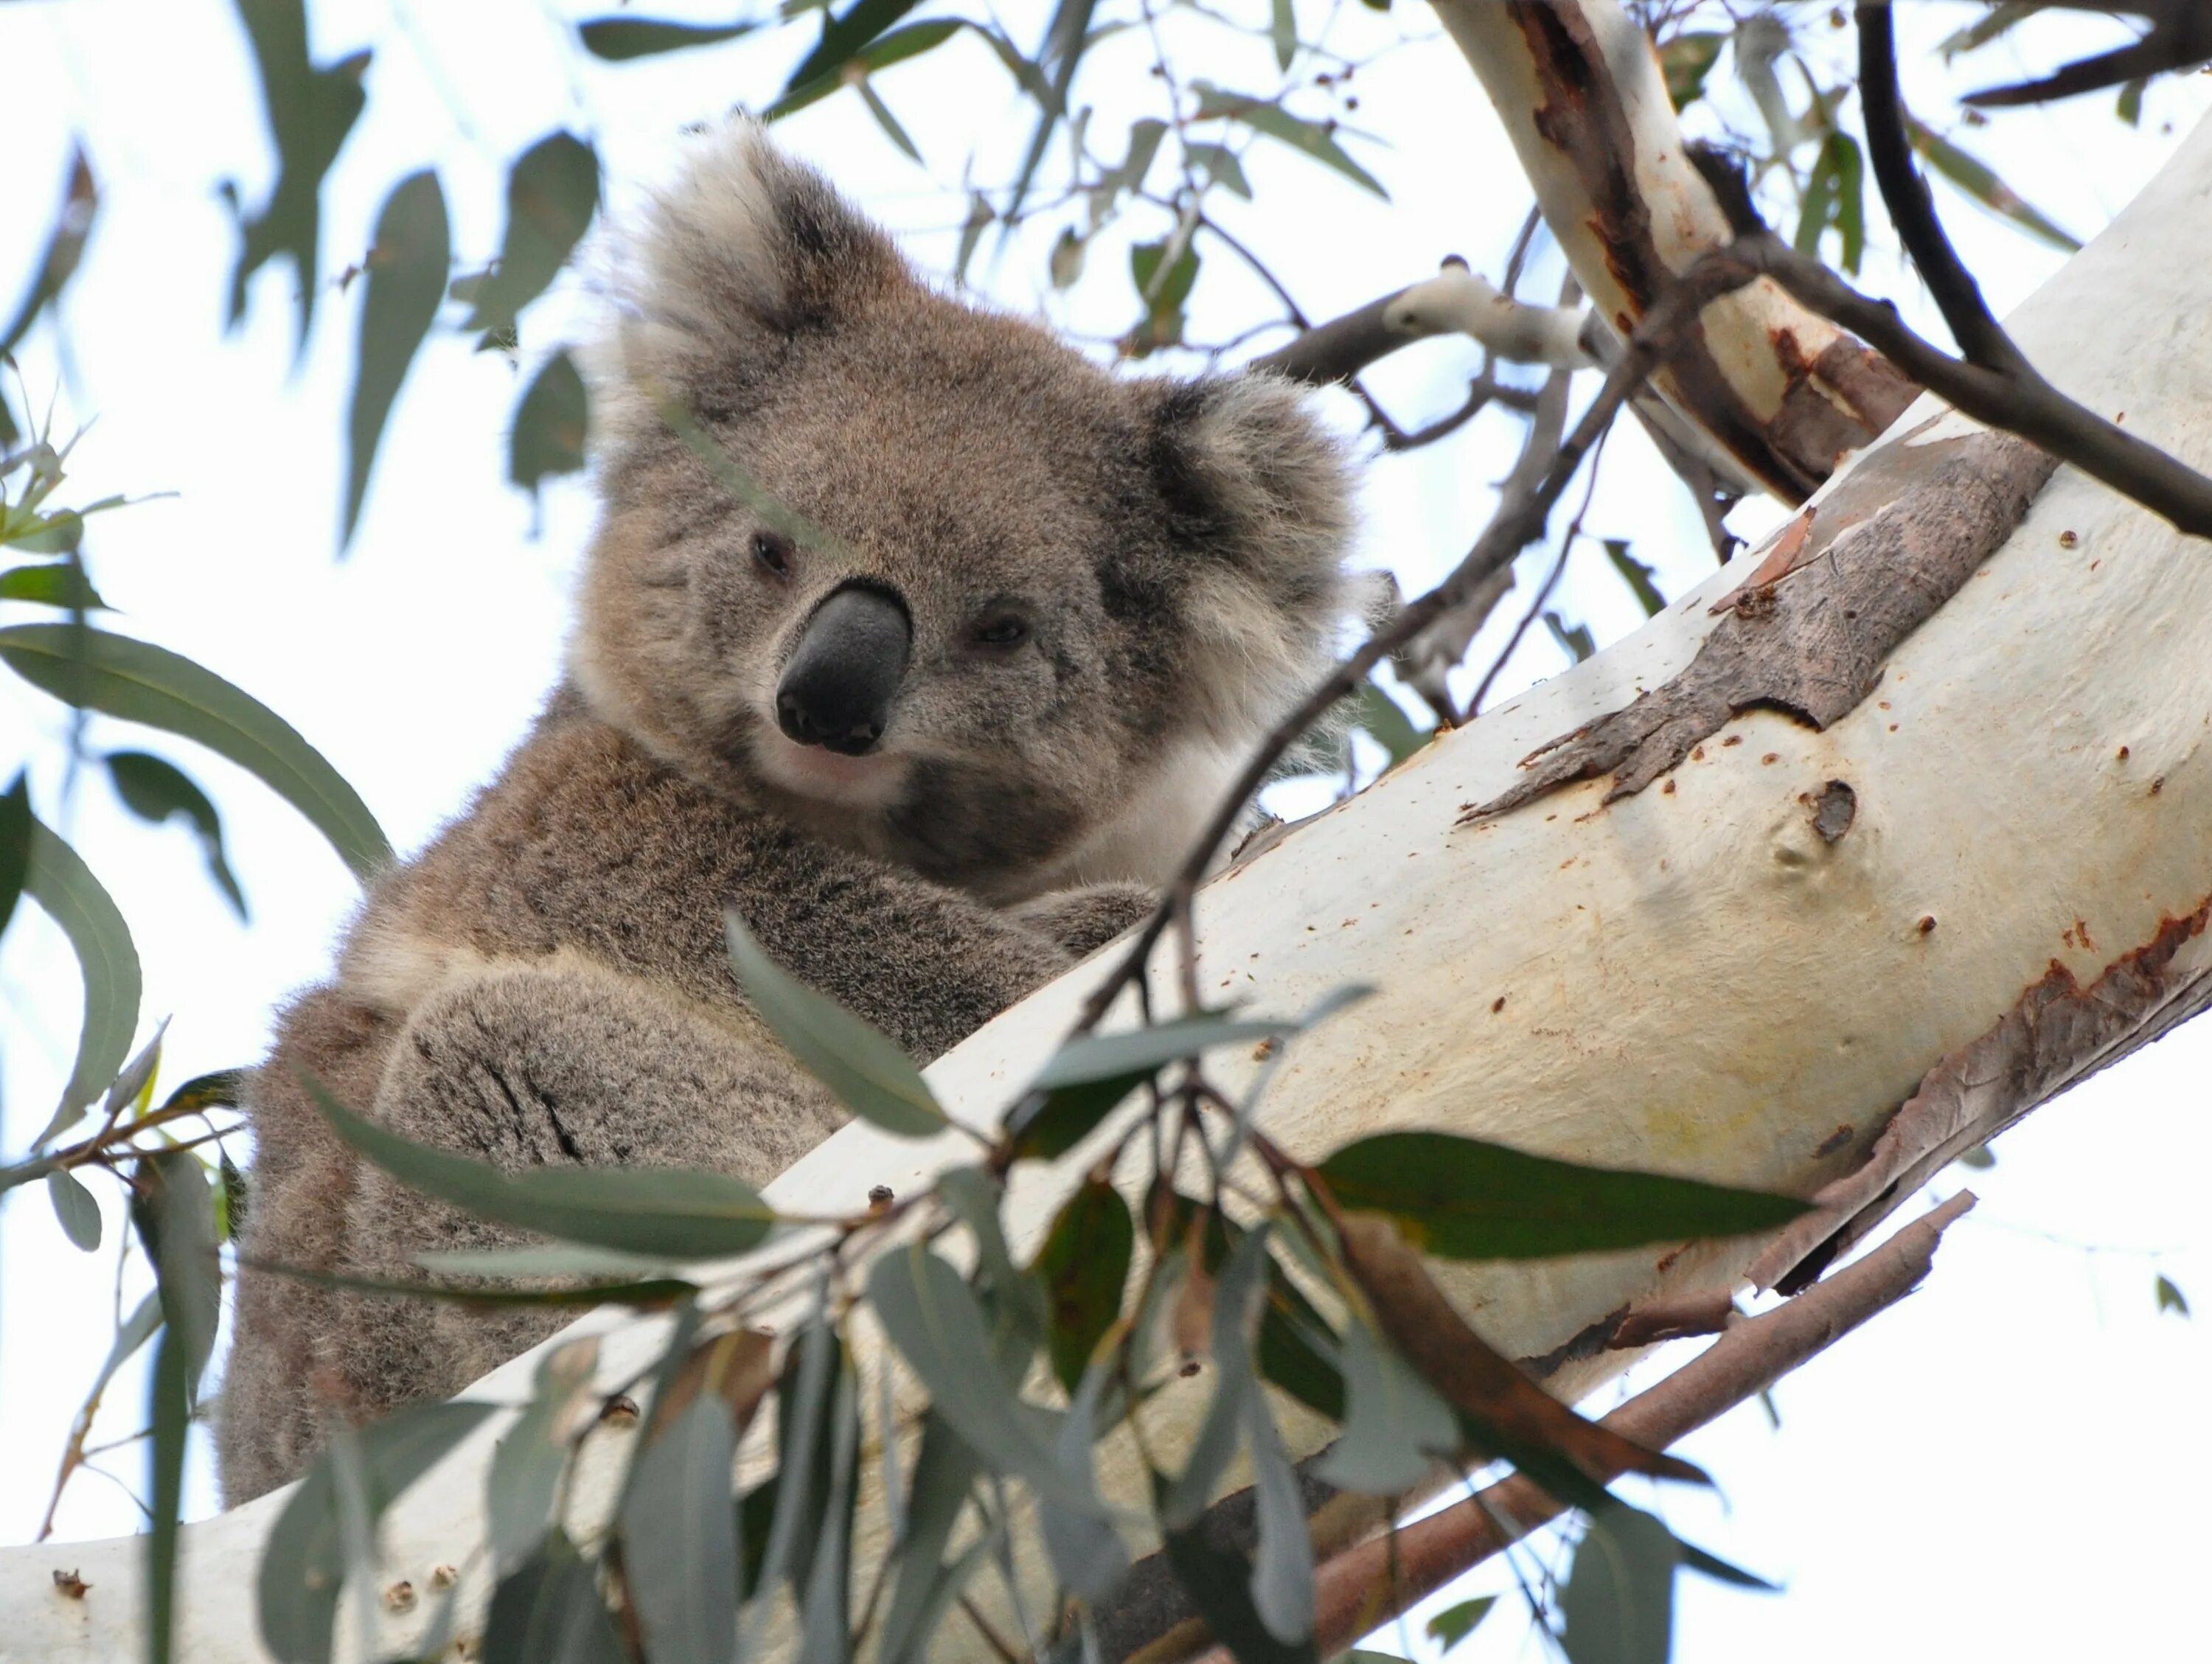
(836,691)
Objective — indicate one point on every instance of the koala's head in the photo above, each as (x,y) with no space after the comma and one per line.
(944,591)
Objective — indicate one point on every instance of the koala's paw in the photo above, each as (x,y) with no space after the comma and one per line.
(1085,919)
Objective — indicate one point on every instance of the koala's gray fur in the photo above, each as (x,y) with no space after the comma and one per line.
(546,982)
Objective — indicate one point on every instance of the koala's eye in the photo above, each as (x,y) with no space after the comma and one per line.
(772,553)
(1002,629)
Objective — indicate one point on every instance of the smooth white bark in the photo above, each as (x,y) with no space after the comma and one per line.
(1690,980)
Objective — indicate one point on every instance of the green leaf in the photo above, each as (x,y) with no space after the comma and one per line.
(1383,721)
(1220,164)
(546,1259)
(1835,195)
(155,790)
(548,1611)
(933,1319)
(825,1595)
(2170,1297)
(895,47)
(303,1561)
(310,111)
(1686,59)
(525,1470)
(64,885)
(942,1474)
(1636,576)
(858,1062)
(1454,1624)
(2129,109)
(1462,1199)
(886,120)
(1162,293)
(1082,1082)
(683,1212)
(1284,30)
(16,824)
(1979,180)
(1997,20)
(75,1207)
(1283,1566)
(62,583)
(1047,82)
(1618,1602)
(1236,1303)
(174,1211)
(1395,1427)
(1264,116)
(1015,1297)
(169,1413)
(618,40)
(549,425)
(64,248)
(843,37)
(406,267)
(679,1536)
(1574,640)
(1084,1266)
(552,191)
(1218,1581)
(139,681)
(1088,1555)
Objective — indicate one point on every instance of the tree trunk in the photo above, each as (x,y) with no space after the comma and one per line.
(1985,876)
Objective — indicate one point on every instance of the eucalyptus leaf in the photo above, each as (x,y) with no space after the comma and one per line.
(75,1206)
(842,38)
(684,1213)
(619,40)
(943,1470)
(64,249)
(2170,1297)
(525,1474)
(882,53)
(1454,1624)
(58,584)
(169,1413)
(679,1537)
(406,266)
(1315,138)
(1618,1602)
(1084,1268)
(310,111)
(1638,577)
(548,1611)
(60,882)
(550,423)
(858,1062)
(16,824)
(1979,180)
(1087,1554)
(1462,1199)
(157,790)
(825,1600)
(1395,1426)
(302,1561)
(139,681)
(1383,721)
(552,192)
(932,1316)
(173,1210)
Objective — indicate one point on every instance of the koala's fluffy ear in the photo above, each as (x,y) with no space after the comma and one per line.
(746,251)
(1259,498)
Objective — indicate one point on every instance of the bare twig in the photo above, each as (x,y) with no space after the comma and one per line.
(1455,301)
(2180,35)
(1370,1584)
(1912,209)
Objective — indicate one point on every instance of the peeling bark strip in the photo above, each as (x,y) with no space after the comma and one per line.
(1788,394)
(2058,1033)
(1807,634)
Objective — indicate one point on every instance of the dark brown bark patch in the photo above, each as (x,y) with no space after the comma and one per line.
(1896,540)
(2056,1034)
(1834,807)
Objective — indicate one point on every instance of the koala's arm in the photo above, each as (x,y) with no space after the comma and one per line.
(1085,918)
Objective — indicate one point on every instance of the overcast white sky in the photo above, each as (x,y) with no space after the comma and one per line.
(2009,1465)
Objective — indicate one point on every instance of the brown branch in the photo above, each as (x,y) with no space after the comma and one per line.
(1368,1585)
(1912,209)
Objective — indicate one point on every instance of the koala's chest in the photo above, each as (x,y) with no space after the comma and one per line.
(585,849)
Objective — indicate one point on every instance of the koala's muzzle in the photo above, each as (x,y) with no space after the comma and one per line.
(836,691)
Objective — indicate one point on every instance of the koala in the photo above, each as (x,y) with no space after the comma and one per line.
(933,753)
